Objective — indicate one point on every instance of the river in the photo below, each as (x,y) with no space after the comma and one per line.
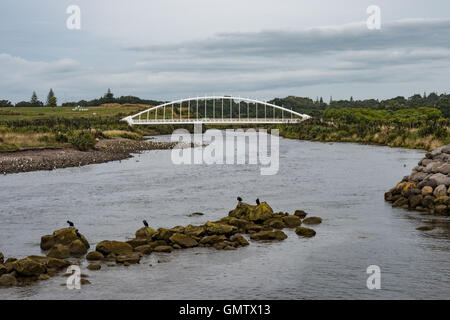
(341,182)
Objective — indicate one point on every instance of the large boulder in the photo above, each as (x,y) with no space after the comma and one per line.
(275,223)
(210,240)
(292,221)
(427,190)
(196,231)
(300,213)
(138,242)
(163,234)
(239,239)
(440,178)
(145,233)
(51,263)
(444,168)
(268,235)
(166,249)
(315,220)
(305,232)
(183,240)
(64,237)
(3,269)
(144,249)
(59,251)
(219,228)
(28,267)
(242,211)
(116,247)
(261,212)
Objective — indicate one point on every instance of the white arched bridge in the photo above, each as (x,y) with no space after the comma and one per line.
(216,110)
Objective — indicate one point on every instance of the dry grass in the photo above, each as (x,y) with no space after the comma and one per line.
(15,141)
(122,134)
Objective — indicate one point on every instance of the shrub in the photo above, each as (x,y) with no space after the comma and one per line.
(62,138)
(83,140)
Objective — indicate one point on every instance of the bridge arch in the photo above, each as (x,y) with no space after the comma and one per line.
(167,114)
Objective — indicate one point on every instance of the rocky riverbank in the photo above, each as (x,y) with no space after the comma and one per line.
(244,223)
(53,158)
(427,188)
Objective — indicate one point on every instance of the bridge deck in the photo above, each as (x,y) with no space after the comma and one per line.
(214,121)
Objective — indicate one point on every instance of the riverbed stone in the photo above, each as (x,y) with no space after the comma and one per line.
(428,201)
(427,190)
(292,221)
(47,242)
(219,228)
(107,247)
(440,178)
(131,258)
(196,231)
(183,240)
(210,240)
(300,213)
(440,191)
(3,269)
(51,263)
(59,251)
(239,239)
(77,248)
(144,249)
(317,220)
(305,232)
(440,209)
(94,256)
(137,242)
(397,203)
(415,200)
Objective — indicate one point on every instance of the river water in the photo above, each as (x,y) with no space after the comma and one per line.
(342,183)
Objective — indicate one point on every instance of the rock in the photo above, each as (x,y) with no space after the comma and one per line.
(317,220)
(77,248)
(3,270)
(116,247)
(183,240)
(427,190)
(241,224)
(84,281)
(94,256)
(210,240)
(254,228)
(157,243)
(397,203)
(440,178)
(163,249)
(51,263)
(138,242)
(305,232)
(7,280)
(131,258)
(444,169)
(219,228)
(94,266)
(268,235)
(240,240)
(425,228)
(28,267)
(440,191)
(300,213)
(195,214)
(145,233)
(43,277)
(196,231)
(275,223)
(59,251)
(292,221)
(242,211)
(145,249)
(388,196)
(440,209)
(428,201)
(47,242)
(65,236)
(415,200)
(163,234)
(261,212)
(418,176)
(2,258)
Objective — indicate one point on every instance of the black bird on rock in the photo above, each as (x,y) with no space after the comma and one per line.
(257,201)
(239,199)
(70,223)
(145,223)
(78,234)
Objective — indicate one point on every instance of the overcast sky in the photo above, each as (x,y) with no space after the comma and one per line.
(167,49)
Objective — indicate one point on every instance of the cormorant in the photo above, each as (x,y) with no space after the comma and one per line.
(239,199)
(70,223)
(145,223)
(257,201)
(77,233)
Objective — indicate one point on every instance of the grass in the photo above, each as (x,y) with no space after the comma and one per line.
(122,134)
(106,110)
(16,141)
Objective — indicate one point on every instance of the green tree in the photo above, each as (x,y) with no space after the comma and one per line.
(50,99)
(34,102)
(109,96)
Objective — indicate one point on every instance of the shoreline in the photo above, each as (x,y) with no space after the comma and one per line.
(36,159)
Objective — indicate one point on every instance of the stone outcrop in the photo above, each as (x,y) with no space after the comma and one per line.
(64,243)
(427,188)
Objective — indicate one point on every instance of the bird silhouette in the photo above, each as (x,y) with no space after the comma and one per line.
(239,199)
(145,223)
(77,233)
(70,223)
(257,201)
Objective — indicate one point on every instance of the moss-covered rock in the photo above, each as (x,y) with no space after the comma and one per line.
(59,251)
(51,263)
(94,267)
(210,240)
(167,249)
(145,233)
(144,249)
(94,256)
(261,212)
(28,267)
(3,269)
(183,240)
(305,232)
(240,240)
(7,280)
(163,234)
(116,247)
(47,242)
(138,242)
(131,258)
(425,228)
(2,258)
(300,213)
(268,235)
(312,220)
(292,221)
(196,231)
(77,248)
(219,228)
